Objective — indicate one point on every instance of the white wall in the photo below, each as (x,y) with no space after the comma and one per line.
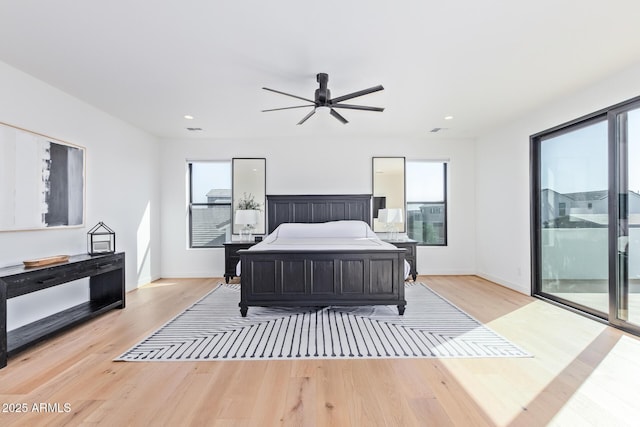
(316,166)
(502,184)
(122,189)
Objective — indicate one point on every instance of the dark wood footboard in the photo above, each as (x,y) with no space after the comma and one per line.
(322,278)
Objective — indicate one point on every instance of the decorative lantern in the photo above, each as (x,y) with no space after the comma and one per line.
(101,240)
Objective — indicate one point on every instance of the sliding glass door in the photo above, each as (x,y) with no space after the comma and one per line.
(574,216)
(586,214)
(625,300)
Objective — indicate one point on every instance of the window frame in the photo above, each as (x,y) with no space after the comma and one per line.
(191,204)
(444,202)
(607,115)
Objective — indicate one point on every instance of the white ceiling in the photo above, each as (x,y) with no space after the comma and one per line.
(483,61)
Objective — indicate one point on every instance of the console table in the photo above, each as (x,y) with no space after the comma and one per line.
(106,292)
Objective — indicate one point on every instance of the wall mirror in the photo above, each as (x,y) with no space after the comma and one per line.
(249,196)
(389,199)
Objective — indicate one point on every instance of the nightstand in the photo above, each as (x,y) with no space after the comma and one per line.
(231,257)
(410,255)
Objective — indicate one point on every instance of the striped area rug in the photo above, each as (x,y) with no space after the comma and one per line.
(212,329)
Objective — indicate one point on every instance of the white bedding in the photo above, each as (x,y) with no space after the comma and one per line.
(334,235)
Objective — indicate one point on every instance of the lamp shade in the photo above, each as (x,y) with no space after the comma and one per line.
(383,214)
(394,216)
(246,217)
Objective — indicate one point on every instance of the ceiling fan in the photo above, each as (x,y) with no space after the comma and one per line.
(323,100)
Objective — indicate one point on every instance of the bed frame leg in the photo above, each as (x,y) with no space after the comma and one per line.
(243,310)
(401,309)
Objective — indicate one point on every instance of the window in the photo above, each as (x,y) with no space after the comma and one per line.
(427,202)
(209,203)
(562,209)
(573,175)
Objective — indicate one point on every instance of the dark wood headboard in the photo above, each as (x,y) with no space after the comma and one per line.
(317,208)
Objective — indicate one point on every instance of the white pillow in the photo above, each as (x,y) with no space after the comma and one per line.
(354,229)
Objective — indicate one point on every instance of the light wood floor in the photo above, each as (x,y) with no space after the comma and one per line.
(582,373)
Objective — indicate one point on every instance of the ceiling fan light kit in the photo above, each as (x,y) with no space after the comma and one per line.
(323,100)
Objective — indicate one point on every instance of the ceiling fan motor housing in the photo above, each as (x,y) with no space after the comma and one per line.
(323,94)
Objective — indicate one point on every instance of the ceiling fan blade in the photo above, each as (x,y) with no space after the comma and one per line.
(357,94)
(335,114)
(358,107)
(304,119)
(288,94)
(287,108)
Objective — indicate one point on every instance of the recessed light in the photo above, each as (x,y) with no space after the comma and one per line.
(448,118)
(188,117)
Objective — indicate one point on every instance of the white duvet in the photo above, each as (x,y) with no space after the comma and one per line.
(334,235)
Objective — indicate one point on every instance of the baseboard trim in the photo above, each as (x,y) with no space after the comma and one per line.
(506,283)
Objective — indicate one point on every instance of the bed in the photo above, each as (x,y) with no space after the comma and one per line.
(320,252)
